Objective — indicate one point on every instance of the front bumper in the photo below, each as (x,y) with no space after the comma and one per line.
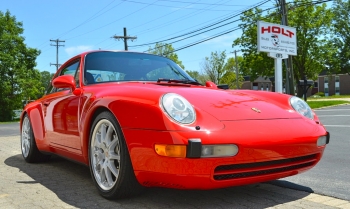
(268,150)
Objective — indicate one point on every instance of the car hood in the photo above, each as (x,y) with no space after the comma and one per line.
(221,104)
(238,105)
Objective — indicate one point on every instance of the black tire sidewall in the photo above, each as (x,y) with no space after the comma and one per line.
(33,150)
(124,156)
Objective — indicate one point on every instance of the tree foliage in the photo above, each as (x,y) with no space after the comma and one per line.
(341,39)
(312,37)
(166,50)
(219,70)
(230,75)
(46,77)
(17,62)
(200,77)
(254,63)
(312,23)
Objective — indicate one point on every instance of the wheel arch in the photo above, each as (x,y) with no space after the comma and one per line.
(87,129)
(34,113)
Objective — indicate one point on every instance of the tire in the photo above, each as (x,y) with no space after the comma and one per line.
(109,159)
(30,151)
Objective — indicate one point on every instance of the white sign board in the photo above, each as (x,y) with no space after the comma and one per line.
(276,38)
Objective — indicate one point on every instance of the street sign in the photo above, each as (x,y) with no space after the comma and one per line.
(276,38)
(279,41)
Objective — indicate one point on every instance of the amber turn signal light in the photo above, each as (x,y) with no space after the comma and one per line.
(170,150)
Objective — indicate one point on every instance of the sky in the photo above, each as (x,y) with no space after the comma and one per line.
(86,25)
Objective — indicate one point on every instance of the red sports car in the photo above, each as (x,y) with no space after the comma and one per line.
(138,120)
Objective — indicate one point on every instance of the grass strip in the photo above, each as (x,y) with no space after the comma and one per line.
(325,103)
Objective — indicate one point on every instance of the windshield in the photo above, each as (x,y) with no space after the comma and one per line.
(128,66)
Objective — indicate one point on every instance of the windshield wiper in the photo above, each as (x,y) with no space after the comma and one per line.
(184,81)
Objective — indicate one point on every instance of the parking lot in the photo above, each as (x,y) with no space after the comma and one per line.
(63,184)
(60,183)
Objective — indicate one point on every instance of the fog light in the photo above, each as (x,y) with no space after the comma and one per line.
(321,141)
(219,150)
(170,150)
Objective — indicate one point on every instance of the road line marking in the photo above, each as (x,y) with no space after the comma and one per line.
(338,126)
(333,115)
(333,110)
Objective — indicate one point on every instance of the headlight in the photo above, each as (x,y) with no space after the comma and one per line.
(301,107)
(178,108)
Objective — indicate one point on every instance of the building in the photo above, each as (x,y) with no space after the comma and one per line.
(334,84)
(261,83)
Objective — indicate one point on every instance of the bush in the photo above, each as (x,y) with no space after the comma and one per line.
(321,94)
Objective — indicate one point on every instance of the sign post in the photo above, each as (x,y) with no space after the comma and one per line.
(279,41)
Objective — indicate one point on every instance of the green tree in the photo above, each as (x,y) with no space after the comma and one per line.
(312,23)
(230,75)
(166,50)
(341,39)
(46,77)
(16,61)
(254,64)
(32,86)
(218,70)
(200,77)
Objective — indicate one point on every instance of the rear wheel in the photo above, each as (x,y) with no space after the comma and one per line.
(30,151)
(110,163)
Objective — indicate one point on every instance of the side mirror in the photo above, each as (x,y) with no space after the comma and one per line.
(64,81)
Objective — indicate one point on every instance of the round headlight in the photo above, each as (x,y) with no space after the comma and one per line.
(178,108)
(301,107)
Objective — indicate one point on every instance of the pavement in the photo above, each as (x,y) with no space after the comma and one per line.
(60,183)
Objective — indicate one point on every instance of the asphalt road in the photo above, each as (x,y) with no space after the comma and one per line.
(9,129)
(331,176)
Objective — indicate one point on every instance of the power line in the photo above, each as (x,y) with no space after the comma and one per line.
(162,16)
(92,17)
(114,20)
(226,32)
(212,4)
(191,8)
(157,27)
(205,27)
(206,39)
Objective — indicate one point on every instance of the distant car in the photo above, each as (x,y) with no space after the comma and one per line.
(138,120)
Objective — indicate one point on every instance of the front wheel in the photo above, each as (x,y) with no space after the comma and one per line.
(110,163)
(30,151)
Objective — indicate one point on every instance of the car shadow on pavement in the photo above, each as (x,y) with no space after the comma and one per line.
(64,183)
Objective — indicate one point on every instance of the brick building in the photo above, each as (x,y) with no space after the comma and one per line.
(334,84)
(261,83)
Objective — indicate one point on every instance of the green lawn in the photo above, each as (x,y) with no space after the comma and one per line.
(329,97)
(325,103)
(10,122)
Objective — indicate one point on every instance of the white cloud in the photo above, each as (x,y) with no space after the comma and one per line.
(71,51)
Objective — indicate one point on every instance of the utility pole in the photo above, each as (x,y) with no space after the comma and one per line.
(236,62)
(56,45)
(125,37)
(288,62)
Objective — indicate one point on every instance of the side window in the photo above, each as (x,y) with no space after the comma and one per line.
(72,69)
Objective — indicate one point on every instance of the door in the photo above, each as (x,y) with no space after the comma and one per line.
(61,114)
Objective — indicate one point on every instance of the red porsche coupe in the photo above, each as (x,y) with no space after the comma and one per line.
(138,120)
